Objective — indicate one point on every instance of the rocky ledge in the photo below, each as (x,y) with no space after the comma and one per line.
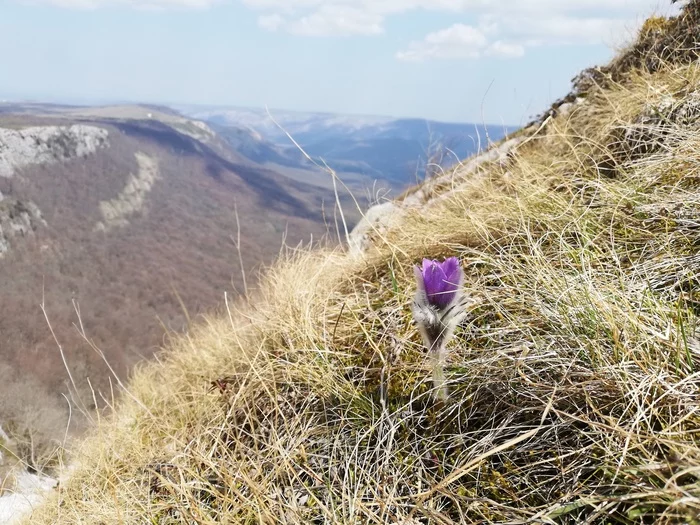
(47,144)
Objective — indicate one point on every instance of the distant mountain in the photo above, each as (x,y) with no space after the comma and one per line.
(127,215)
(252,145)
(395,150)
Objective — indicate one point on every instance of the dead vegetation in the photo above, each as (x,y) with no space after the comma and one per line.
(120,293)
(574,382)
(661,43)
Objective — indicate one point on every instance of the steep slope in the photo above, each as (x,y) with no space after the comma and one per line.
(573,381)
(357,176)
(123,229)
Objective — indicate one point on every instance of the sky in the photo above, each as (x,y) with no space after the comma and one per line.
(484,61)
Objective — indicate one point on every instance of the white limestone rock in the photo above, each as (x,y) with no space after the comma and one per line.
(47,144)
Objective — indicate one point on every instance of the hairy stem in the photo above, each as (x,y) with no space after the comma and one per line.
(439,384)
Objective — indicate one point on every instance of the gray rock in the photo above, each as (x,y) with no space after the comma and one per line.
(375,219)
(650,130)
(47,144)
(18,219)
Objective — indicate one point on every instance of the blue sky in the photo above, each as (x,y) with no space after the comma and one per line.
(496,61)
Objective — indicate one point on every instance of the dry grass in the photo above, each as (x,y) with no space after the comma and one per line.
(574,383)
(120,291)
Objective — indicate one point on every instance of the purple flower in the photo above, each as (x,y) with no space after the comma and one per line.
(440,281)
(439,306)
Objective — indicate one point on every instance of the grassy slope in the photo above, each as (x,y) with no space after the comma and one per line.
(574,382)
(135,282)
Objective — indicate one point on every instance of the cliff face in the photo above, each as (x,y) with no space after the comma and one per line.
(18,219)
(47,144)
(38,145)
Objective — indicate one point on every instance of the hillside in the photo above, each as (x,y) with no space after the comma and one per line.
(391,150)
(121,221)
(573,381)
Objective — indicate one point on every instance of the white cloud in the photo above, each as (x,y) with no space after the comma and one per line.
(386,7)
(504,28)
(389,7)
(510,36)
(461,41)
(271,22)
(505,49)
(337,21)
(457,41)
(136,4)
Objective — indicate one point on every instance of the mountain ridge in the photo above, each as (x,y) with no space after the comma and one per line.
(395,150)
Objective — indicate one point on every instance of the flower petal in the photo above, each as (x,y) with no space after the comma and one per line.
(451,268)
(453,274)
(435,285)
(439,281)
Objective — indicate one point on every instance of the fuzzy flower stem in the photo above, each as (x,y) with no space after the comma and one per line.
(437,309)
(439,382)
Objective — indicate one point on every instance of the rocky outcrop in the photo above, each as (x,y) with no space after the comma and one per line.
(47,144)
(18,219)
(195,129)
(658,120)
(130,200)
(375,219)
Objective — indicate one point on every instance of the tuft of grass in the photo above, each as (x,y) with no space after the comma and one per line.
(654,25)
(573,384)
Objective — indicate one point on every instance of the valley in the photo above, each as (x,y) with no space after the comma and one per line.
(121,225)
(118,227)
